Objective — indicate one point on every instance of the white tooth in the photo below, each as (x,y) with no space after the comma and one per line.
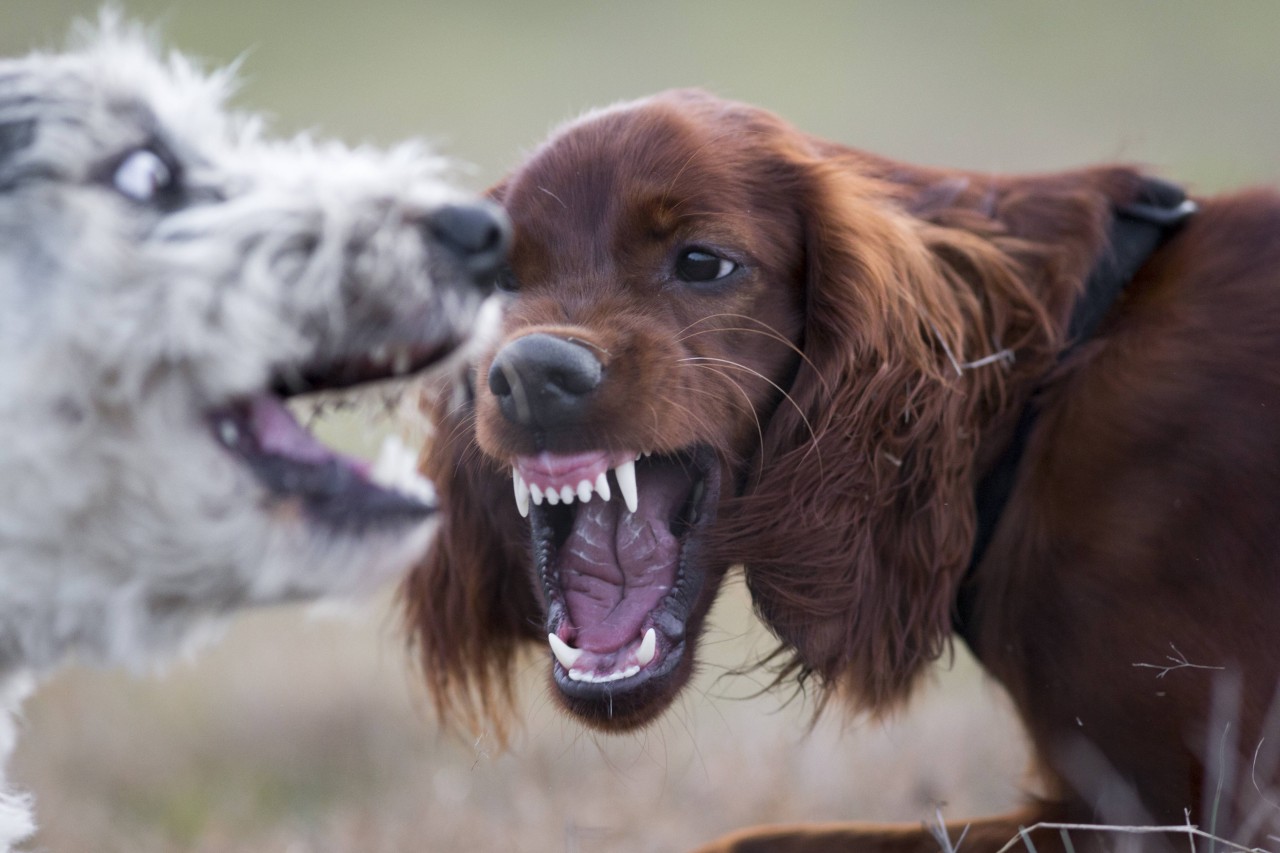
(552,496)
(522,493)
(648,648)
(397,468)
(592,678)
(602,488)
(584,491)
(380,355)
(228,432)
(566,494)
(566,654)
(536,494)
(386,468)
(626,474)
(425,490)
(400,362)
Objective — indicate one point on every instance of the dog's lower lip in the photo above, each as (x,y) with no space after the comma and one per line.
(594,689)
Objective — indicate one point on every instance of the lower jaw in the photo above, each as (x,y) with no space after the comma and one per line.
(630,703)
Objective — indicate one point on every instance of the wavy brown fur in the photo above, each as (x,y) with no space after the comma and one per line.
(896,320)
(469,614)
(856,530)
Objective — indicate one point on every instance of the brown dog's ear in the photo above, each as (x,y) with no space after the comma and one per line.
(469,603)
(859,524)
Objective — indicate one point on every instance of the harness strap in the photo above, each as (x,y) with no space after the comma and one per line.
(1137,230)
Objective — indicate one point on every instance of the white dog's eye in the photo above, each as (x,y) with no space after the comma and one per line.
(142,175)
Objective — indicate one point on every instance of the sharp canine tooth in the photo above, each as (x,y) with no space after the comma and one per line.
(602,487)
(536,494)
(396,468)
(626,474)
(522,494)
(584,491)
(228,432)
(566,654)
(648,648)
(566,494)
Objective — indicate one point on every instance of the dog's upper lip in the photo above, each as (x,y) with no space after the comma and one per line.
(386,361)
(566,477)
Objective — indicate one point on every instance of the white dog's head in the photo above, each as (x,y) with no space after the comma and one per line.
(167,277)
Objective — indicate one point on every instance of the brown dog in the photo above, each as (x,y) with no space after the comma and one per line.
(907,401)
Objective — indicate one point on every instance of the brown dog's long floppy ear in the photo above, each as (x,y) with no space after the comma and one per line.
(858,525)
(469,603)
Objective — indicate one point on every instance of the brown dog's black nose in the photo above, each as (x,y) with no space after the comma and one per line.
(476,235)
(544,381)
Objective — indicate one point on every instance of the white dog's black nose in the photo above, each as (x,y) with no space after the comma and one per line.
(476,234)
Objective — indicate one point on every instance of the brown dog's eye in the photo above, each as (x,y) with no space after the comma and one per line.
(701,266)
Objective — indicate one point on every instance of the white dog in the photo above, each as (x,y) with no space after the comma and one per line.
(167,277)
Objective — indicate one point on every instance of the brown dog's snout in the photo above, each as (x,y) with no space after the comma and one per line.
(544,381)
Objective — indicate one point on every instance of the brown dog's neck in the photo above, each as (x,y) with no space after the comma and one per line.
(1052,231)
(1137,229)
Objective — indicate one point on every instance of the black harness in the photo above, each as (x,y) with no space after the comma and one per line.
(1137,229)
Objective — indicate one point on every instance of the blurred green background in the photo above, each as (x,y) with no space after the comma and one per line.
(1190,88)
(302,733)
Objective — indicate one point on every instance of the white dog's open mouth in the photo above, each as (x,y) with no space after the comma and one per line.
(333,488)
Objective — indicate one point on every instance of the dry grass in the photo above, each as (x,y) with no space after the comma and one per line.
(306,735)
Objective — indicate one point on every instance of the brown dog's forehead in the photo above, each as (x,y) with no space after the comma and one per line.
(680,164)
(619,156)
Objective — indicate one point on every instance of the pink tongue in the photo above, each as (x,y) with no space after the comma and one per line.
(279,434)
(616,567)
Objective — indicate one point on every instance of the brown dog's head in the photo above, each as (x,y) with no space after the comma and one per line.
(727,343)
(657,304)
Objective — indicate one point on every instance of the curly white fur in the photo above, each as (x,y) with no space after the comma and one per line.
(135,302)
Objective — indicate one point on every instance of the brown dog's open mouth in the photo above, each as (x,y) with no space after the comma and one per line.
(614,536)
(336,490)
